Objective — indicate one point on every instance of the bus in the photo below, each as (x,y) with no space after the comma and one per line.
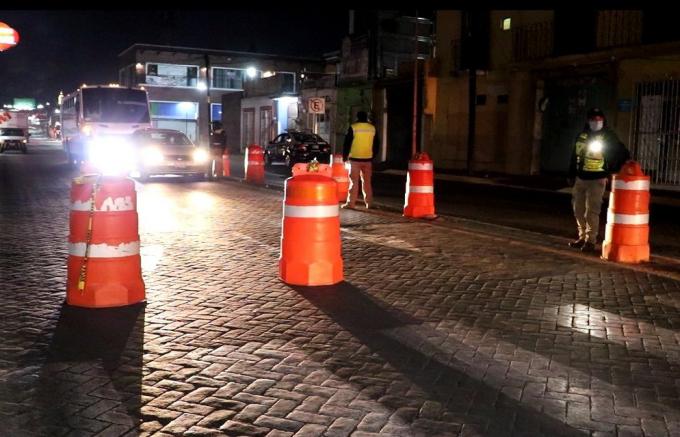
(101,114)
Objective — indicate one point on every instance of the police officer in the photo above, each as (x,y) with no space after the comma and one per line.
(598,152)
(361,145)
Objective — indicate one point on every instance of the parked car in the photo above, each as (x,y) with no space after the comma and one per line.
(167,151)
(292,147)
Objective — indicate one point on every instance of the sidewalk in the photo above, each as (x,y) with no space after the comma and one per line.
(538,184)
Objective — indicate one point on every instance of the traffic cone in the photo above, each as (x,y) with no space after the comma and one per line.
(341,176)
(310,242)
(419,198)
(254,164)
(104,265)
(626,237)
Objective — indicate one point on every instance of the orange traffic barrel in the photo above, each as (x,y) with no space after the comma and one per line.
(104,266)
(226,165)
(310,240)
(626,238)
(419,199)
(341,176)
(254,164)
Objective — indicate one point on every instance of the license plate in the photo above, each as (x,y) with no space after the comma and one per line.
(181,165)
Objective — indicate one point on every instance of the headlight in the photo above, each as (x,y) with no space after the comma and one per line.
(152,156)
(200,156)
(595,146)
(86,130)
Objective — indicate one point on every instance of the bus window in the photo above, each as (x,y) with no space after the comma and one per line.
(115,105)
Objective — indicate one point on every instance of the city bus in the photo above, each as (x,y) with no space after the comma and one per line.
(102,117)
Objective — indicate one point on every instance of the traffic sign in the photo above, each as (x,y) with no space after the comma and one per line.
(317,105)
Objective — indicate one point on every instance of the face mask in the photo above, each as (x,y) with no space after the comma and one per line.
(596,125)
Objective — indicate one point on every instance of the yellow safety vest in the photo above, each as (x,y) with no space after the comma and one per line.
(362,144)
(588,160)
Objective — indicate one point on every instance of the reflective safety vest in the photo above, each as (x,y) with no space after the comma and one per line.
(362,144)
(588,159)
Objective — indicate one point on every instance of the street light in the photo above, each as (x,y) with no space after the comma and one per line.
(251,72)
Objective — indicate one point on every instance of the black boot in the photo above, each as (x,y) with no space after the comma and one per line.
(588,247)
(577,244)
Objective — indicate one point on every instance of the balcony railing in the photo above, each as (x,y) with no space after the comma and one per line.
(532,41)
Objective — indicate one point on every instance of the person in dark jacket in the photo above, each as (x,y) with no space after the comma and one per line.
(361,146)
(597,154)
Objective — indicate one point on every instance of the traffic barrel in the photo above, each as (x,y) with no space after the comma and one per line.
(310,238)
(341,176)
(226,165)
(626,238)
(419,198)
(104,266)
(254,164)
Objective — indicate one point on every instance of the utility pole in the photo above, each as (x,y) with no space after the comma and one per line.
(414,128)
(207,94)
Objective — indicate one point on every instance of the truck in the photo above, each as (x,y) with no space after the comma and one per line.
(13,131)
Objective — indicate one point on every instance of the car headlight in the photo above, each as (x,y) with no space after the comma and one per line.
(152,156)
(595,146)
(200,156)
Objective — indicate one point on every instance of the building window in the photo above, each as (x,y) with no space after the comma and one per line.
(215,112)
(228,78)
(174,110)
(172,75)
(502,99)
(248,131)
(288,85)
(265,124)
(506,23)
(481,99)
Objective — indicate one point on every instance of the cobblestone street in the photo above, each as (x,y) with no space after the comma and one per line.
(440,329)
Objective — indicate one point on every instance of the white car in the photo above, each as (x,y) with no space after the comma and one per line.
(167,151)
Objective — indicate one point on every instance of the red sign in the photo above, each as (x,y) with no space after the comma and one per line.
(8,37)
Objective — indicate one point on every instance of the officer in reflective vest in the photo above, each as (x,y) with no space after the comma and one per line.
(361,145)
(597,153)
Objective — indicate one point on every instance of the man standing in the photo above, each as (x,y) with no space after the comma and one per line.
(598,152)
(361,145)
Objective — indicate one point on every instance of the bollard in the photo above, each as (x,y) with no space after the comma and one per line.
(104,266)
(341,176)
(626,237)
(419,198)
(310,236)
(226,165)
(254,164)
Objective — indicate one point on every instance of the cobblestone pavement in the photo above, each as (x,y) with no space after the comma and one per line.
(438,330)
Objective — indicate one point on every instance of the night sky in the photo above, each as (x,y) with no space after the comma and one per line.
(59,50)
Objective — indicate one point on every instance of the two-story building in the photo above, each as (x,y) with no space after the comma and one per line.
(534,74)
(191,87)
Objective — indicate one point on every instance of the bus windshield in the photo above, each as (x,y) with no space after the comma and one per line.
(115,105)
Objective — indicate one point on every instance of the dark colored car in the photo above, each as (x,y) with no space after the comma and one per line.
(293,147)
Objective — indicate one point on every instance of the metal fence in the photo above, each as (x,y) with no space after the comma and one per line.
(655,131)
(532,41)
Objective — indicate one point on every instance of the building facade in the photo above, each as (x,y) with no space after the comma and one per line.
(535,76)
(189,88)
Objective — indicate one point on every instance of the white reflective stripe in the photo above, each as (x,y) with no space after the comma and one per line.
(104,250)
(421,189)
(255,162)
(338,159)
(418,166)
(627,219)
(109,204)
(319,211)
(341,179)
(642,185)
